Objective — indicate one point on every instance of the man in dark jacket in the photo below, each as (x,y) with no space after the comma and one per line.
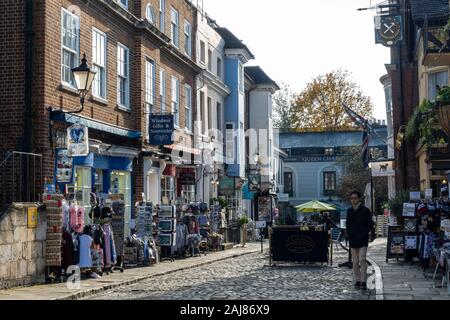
(359,225)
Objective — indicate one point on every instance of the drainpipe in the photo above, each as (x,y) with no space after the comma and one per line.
(28,112)
(28,121)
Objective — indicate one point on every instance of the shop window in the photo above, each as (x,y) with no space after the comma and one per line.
(167,189)
(121,184)
(188,193)
(81,189)
(98,180)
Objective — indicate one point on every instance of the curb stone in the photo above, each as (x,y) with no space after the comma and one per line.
(90,292)
(379,293)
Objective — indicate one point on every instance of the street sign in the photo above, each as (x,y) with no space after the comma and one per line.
(161,128)
(261,224)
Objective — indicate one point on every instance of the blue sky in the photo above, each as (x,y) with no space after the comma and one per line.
(296,40)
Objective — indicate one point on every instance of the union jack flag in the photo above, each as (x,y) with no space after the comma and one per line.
(365,149)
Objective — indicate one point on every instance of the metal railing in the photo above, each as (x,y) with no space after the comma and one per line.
(21,179)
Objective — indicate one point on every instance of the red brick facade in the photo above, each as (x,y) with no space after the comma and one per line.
(120,26)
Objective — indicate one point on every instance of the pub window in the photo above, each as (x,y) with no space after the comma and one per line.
(329,181)
(288,184)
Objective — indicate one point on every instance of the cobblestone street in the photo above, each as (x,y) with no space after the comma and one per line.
(248,277)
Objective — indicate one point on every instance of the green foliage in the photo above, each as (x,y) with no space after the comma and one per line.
(443,97)
(222,202)
(243,221)
(423,124)
(396,204)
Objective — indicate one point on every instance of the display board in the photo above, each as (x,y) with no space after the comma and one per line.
(144,220)
(118,224)
(396,242)
(293,245)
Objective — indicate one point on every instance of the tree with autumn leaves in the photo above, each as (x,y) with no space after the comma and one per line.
(319,106)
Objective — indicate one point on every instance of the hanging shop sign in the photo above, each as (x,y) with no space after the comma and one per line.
(161,128)
(226,186)
(254,182)
(389,30)
(77,140)
(246,193)
(187,177)
(383,169)
(64,166)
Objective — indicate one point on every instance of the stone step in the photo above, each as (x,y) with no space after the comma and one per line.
(227,246)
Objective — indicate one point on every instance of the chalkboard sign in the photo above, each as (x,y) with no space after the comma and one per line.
(293,245)
(396,243)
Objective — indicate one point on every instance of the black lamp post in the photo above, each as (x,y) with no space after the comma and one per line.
(84,77)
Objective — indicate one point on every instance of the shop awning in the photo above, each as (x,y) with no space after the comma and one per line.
(58,115)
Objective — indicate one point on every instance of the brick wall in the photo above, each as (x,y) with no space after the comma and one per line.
(12,74)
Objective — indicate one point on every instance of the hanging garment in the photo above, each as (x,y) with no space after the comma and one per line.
(96,258)
(113,249)
(85,251)
(77,218)
(73,216)
(99,235)
(107,246)
(67,249)
(76,247)
(66,216)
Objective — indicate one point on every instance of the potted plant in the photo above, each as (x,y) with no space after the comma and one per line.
(242,223)
(396,204)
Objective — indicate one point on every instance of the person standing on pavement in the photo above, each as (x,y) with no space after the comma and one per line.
(359,225)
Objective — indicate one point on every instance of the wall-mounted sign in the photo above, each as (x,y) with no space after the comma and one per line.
(414,195)
(64,166)
(77,140)
(161,128)
(254,182)
(32,217)
(388,30)
(428,193)
(409,209)
(187,178)
(283,197)
(383,169)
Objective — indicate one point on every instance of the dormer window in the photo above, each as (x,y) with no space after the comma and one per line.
(124,3)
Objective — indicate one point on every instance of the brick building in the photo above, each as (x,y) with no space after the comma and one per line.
(143,53)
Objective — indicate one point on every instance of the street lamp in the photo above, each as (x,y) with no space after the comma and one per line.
(371,188)
(84,77)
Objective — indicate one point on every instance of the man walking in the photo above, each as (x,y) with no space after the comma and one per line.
(359,225)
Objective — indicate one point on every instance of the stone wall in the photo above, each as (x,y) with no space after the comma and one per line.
(22,250)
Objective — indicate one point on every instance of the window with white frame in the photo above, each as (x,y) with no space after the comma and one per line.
(162,90)
(241,78)
(167,189)
(229,142)
(219,67)
(187,38)
(219,117)
(202,113)
(124,3)
(436,79)
(123,77)
(176,100)
(210,120)
(329,181)
(162,10)
(149,14)
(149,86)
(202,52)
(209,60)
(188,107)
(99,63)
(174,27)
(70,40)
